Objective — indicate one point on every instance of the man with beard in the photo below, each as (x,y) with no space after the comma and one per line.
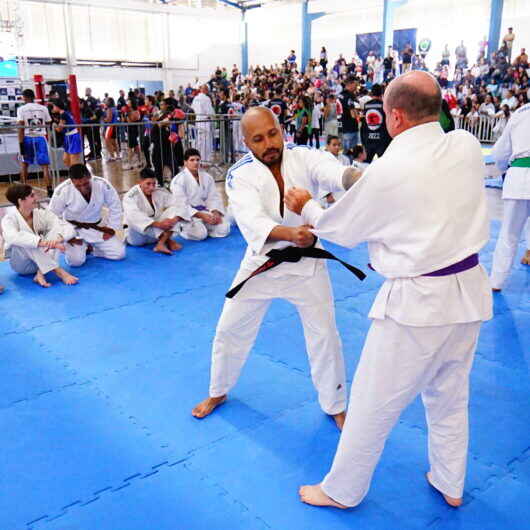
(255,187)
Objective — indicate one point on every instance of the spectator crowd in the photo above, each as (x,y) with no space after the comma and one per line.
(322,100)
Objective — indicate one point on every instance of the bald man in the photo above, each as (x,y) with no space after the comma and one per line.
(255,187)
(425,219)
(204,111)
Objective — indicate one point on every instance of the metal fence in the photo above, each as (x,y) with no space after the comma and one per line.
(118,150)
(487,129)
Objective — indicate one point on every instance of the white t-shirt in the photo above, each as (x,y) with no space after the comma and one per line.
(35,116)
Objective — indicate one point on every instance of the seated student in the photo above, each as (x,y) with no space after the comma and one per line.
(151,216)
(33,237)
(358,154)
(73,145)
(333,148)
(196,190)
(80,200)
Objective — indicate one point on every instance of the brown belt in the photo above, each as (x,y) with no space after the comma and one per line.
(94,226)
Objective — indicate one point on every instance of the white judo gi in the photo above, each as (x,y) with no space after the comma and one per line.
(323,191)
(139,214)
(513,144)
(419,214)
(203,108)
(192,196)
(237,136)
(68,203)
(21,243)
(254,198)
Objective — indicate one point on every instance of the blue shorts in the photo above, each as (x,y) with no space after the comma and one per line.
(72,143)
(36,150)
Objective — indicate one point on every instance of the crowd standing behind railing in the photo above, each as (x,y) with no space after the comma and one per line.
(153,130)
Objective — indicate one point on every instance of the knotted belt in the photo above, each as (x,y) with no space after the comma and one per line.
(521,162)
(94,226)
(455,268)
(293,255)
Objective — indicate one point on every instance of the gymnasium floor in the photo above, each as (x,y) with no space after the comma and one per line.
(98,381)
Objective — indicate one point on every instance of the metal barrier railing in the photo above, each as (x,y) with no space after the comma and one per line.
(486,128)
(159,145)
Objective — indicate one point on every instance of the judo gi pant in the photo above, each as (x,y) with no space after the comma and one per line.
(241,319)
(515,215)
(30,260)
(147,237)
(205,141)
(397,363)
(113,249)
(196,230)
(151,234)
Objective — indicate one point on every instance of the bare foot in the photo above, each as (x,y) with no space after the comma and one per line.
(173,245)
(206,407)
(339,418)
(525,260)
(452,501)
(162,249)
(315,496)
(66,277)
(39,279)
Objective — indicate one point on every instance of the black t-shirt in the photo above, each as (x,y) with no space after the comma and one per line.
(407,58)
(91,102)
(373,131)
(222,107)
(278,106)
(349,124)
(387,63)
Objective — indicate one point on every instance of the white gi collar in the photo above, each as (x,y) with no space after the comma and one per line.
(424,133)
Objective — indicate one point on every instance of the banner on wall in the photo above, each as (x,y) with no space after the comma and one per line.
(366,42)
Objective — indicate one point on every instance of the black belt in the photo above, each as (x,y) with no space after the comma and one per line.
(293,255)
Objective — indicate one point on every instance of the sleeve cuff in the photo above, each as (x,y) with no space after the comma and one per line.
(261,239)
(311,212)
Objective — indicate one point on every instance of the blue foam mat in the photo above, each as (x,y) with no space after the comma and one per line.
(98,381)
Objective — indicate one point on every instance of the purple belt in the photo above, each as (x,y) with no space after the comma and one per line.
(199,208)
(461,266)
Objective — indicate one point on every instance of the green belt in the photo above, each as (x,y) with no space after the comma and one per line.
(521,162)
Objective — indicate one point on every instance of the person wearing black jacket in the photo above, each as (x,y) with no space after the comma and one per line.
(223,106)
(374,134)
(278,106)
(92,115)
(164,154)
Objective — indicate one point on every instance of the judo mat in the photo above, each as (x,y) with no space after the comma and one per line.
(98,381)
(486,151)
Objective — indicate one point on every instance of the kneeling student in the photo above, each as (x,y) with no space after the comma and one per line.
(34,236)
(195,190)
(150,215)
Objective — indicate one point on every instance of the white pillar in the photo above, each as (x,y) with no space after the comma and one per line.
(69,32)
(166,27)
